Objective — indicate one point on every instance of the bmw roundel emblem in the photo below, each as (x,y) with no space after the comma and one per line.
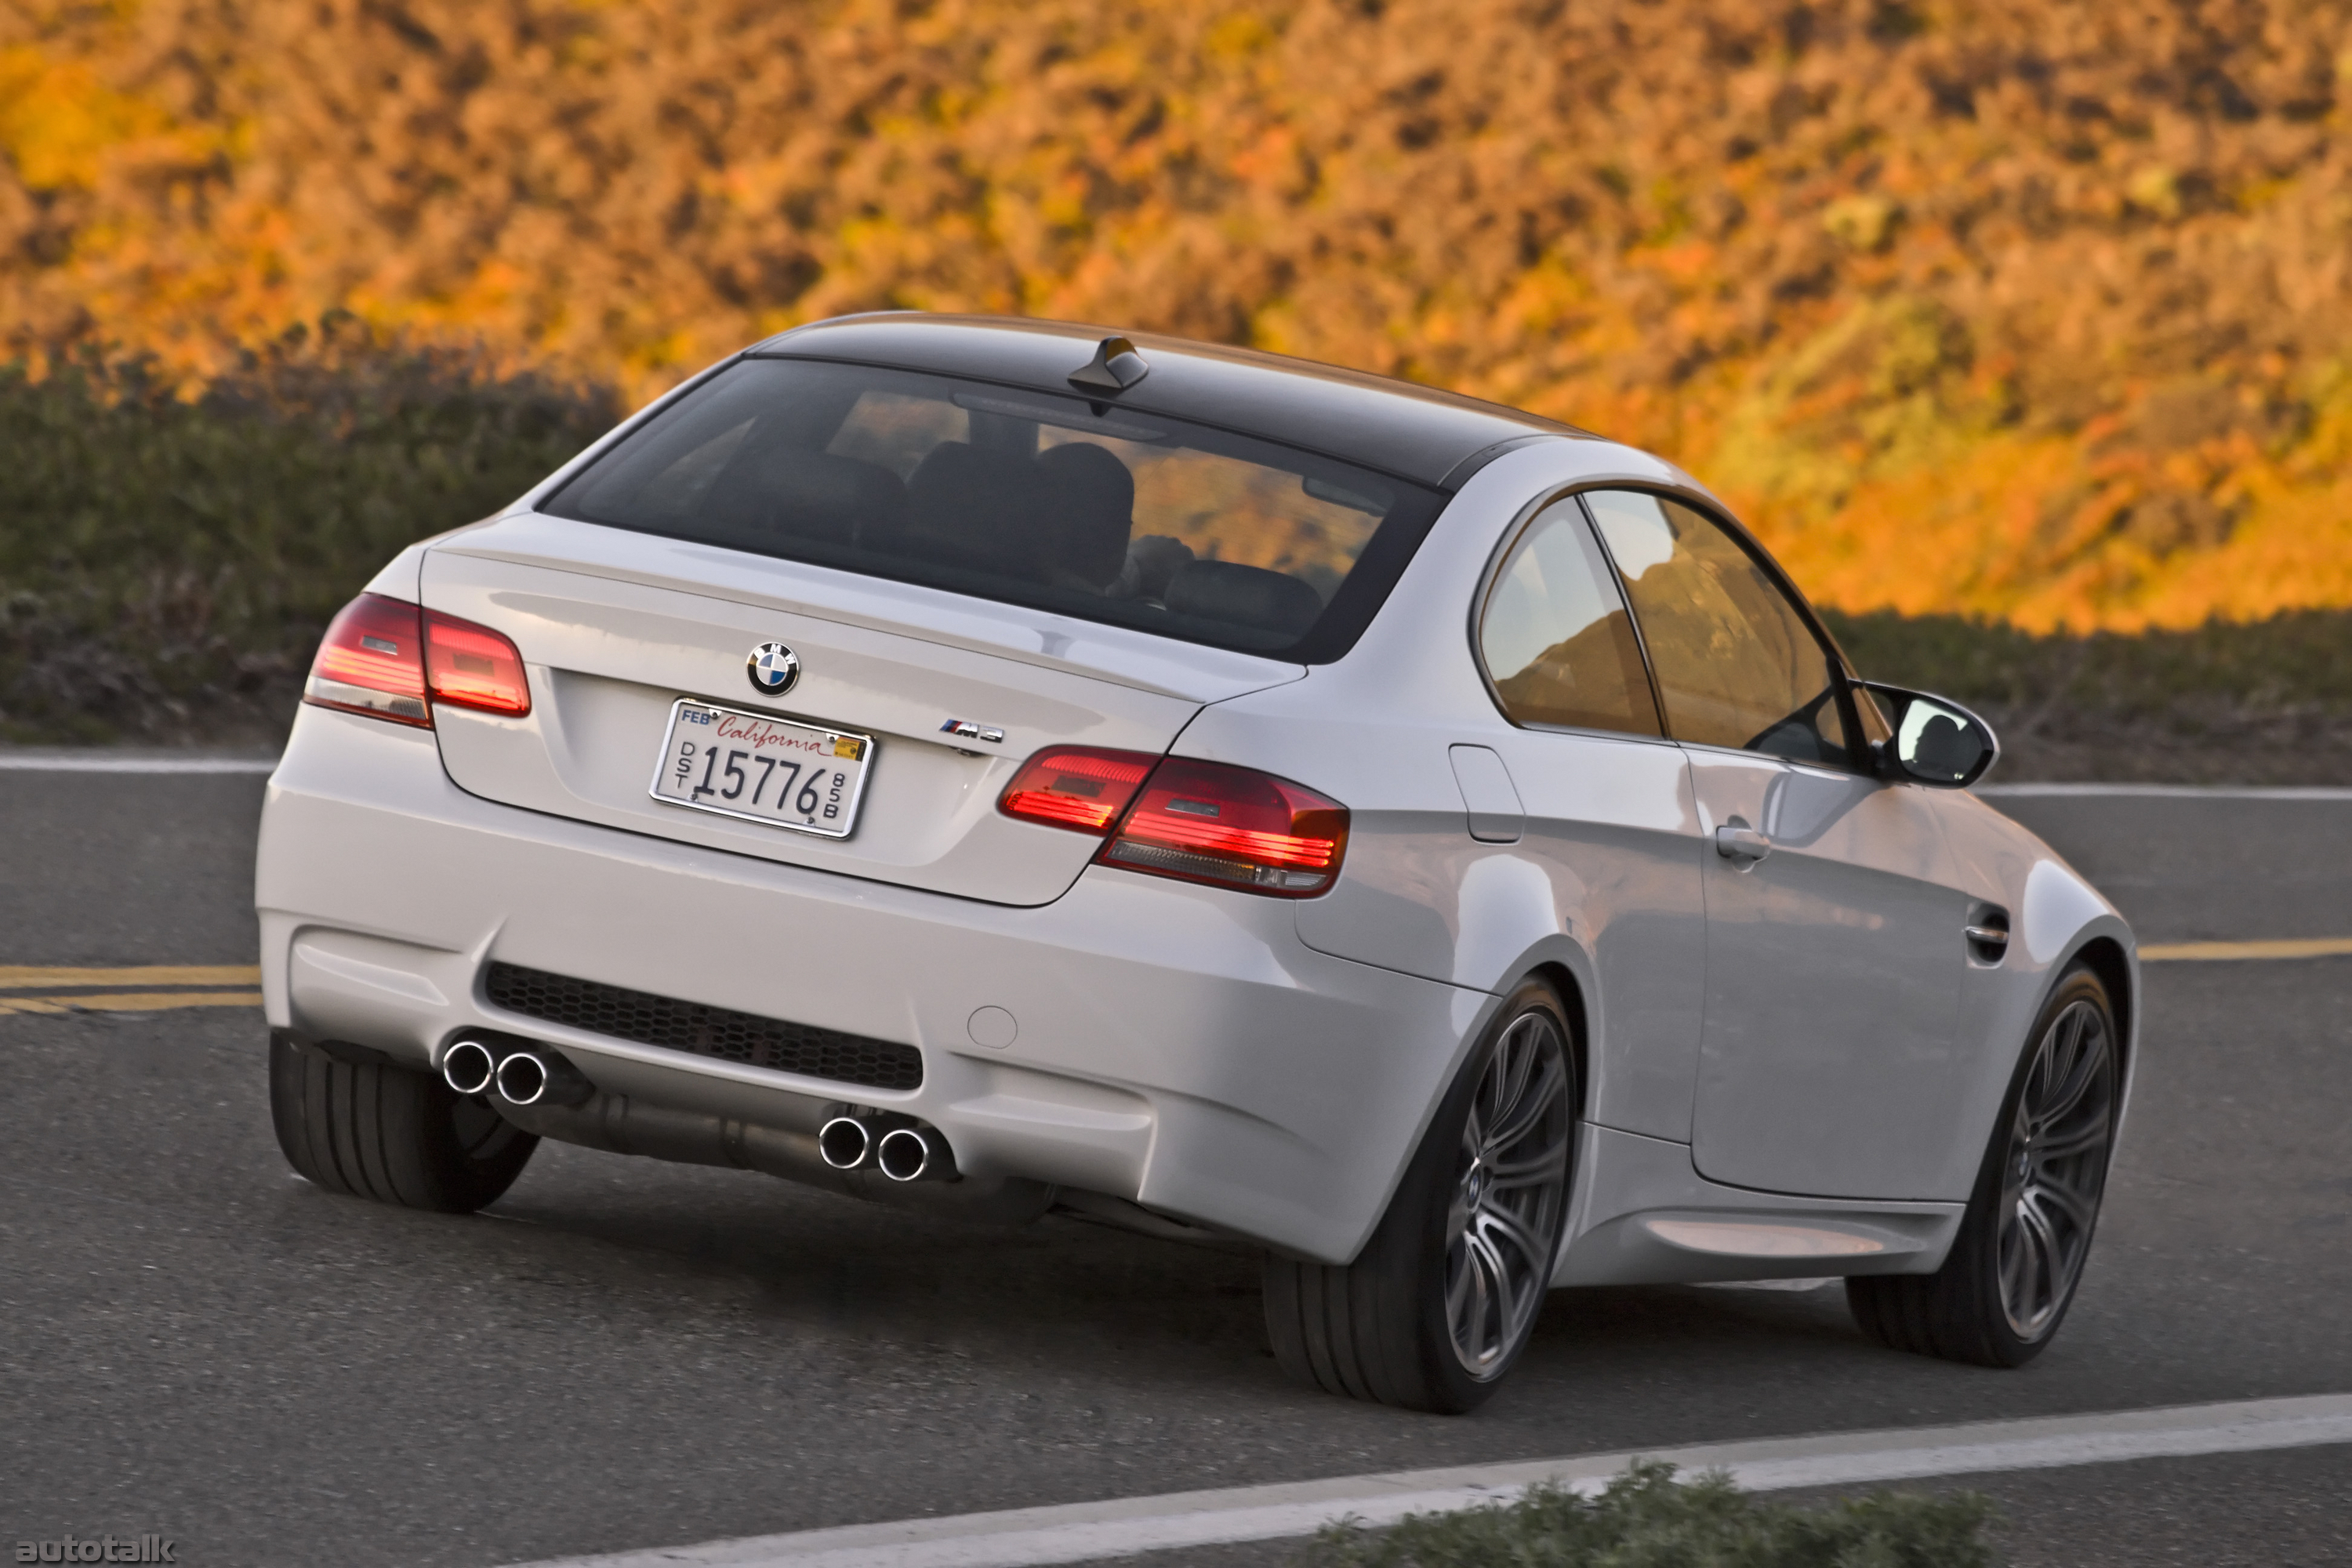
(772,668)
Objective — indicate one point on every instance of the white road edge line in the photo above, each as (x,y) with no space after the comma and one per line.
(1079,1532)
(2168,792)
(70,762)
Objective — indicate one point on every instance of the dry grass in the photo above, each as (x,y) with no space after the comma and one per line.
(2033,309)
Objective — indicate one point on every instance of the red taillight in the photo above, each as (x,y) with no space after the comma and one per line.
(473,667)
(1078,787)
(371,661)
(383,656)
(1208,822)
(1203,821)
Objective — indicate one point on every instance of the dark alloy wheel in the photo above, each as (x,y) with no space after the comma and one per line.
(2014,1266)
(378,1129)
(1442,1300)
(1511,1189)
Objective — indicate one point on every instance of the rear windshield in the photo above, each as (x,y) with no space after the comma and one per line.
(1029,498)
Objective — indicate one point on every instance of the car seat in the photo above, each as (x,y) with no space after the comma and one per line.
(976,507)
(1090,511)
(1245,595)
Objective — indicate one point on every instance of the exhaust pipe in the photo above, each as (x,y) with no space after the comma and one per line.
(530,1077)
(914,1154)
(620,1125)
(844,1142)
(900,1147)
(468,1066)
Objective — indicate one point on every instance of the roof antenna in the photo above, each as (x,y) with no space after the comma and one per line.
(1114,367)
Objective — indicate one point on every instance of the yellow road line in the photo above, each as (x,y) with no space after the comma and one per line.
(130,1001)
(2307,947)
(21,978)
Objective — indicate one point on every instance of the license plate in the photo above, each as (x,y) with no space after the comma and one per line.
(761,769)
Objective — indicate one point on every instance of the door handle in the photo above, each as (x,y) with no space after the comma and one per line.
(1741,843)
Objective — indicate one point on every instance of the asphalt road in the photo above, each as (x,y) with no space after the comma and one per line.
(624,1354)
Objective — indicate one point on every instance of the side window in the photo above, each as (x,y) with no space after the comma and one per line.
(1555,636)
(1737,665)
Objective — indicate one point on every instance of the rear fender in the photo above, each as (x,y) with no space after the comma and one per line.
(399,578)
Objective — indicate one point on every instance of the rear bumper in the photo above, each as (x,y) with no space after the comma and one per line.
(1173,1044)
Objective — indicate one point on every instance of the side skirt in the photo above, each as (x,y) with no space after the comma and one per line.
(1644,1215)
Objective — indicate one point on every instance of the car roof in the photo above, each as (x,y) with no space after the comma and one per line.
(1395,426)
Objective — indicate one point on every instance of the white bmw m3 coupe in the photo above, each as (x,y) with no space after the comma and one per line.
(993,767)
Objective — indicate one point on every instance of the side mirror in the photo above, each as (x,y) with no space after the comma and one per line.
(1937,742)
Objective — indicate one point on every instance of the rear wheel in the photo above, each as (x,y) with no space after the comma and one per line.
(2000,1297)
(376,1129)
(1442,1300)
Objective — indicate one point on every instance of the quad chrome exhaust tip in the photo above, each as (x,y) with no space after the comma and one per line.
(910,1153)
(529,1077)
(468,1066)
(844,1142)
(523,1078)
(514,1076)
(901,1148)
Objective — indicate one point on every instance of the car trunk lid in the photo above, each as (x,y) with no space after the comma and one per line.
(616,627)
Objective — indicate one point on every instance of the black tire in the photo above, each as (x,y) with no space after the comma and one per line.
(376,1129)
(2000,1298)
(1415,1321)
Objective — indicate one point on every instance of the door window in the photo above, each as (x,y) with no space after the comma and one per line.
(1555,636)
(1736,665)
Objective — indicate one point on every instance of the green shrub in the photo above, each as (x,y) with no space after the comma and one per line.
(2302,659)
(1647,1520)
(167,562)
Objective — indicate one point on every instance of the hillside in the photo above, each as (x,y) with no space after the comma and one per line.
(2022,308)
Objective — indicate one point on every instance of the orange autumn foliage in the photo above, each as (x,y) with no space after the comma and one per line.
(2030,309)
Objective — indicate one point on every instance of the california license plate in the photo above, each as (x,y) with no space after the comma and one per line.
(762,769)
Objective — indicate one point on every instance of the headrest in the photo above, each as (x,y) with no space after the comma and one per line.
(1089,498)
(811,495)
(976,506)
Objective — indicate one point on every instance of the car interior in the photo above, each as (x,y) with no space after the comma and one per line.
(984,500)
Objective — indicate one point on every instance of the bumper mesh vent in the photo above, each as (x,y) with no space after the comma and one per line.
(706,1031)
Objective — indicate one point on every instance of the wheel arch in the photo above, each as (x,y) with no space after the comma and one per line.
(1563,983)
(2105,957)
(1556,974)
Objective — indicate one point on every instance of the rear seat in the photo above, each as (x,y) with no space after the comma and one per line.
(777,489)
(1064,516)
(977,507)
(1245,595)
